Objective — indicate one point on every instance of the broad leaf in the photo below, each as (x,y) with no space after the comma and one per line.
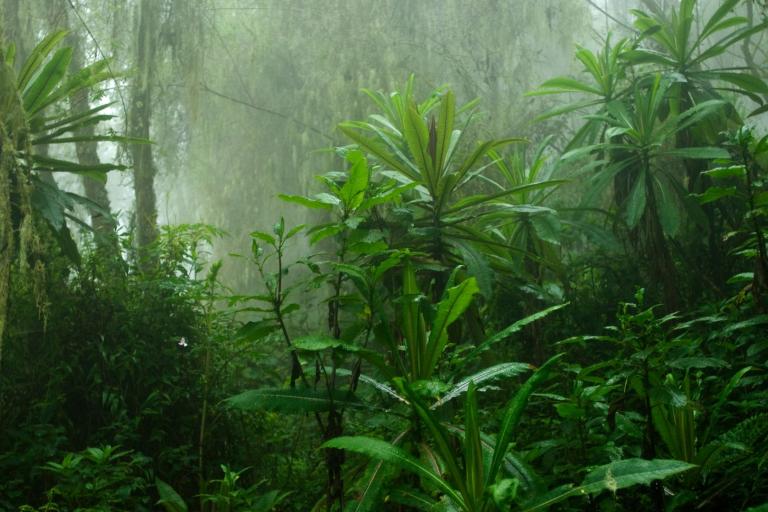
(614,476)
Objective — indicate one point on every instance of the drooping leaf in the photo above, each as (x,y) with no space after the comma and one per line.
(292,401)
(715,193)
(512,329)
(487,374)
(169,498)
(613,476)
(513,411)
(726,172)
(382,450)
(308,202)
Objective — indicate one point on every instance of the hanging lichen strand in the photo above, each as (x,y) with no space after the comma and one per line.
(19,240)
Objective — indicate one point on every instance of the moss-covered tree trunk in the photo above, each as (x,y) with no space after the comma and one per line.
(15,211)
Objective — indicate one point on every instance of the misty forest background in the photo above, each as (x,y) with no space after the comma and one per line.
(392,255)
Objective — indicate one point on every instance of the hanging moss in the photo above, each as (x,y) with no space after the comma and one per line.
(20,241)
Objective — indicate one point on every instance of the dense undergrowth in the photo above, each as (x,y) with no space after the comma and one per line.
(477,325)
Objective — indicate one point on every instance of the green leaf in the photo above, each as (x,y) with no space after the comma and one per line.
(629,472)
(252,331)
(561,85)
(353,192)
(613,476)
(378,150)
(169,498)
(745,81)
(704,153)
(453,305)
(417,501)
(714,414)
(478,267)
(37,56)
(512,414)
(444,131)
(48,78)
(324,204)
(635,207)
(686,363)
(726,172)
(647,56)
(84,78)
(742,277)
(547,227)
(714,193)
(382,450)
(487,374)
(291,401)
(319,342)
(668,208)
(473,451)
(512,329)
(759,110)
(439,434)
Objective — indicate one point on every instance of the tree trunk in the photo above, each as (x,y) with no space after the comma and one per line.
(139,126)
(103,224)
(12,30)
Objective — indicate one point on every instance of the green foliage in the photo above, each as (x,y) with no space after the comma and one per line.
(379,352)
(99,479)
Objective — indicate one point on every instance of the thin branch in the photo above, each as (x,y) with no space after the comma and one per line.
(616,20)
(268,111)
(109,66)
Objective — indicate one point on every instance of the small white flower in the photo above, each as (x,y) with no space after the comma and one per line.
(183,342)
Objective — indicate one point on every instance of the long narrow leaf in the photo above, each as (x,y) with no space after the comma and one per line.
(512,329)
(37,56)
(484,375)
(382,450)
(512,414)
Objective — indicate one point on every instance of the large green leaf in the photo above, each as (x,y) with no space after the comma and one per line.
(321,203)
(705,153)
(292,400)
(486,374)
(561,85)
(444,131)
(456,301)
(352,193)
(473,452)
(382,450)
(440,437)
(613,476)
(49,77)
(512,414)
(512,329)
(37,57)
(169,498)
(635,207)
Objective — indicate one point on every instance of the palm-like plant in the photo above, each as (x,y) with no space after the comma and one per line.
(679,49)
(606,73)
(416,147)
(524,220)
(648,195)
